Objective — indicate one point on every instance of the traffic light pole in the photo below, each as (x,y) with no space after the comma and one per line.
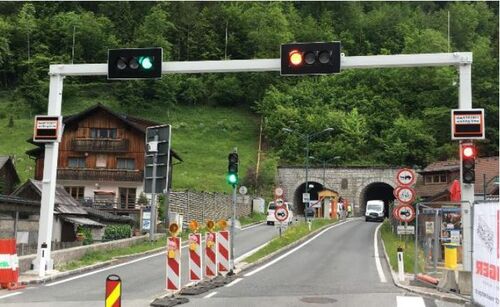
(231,239)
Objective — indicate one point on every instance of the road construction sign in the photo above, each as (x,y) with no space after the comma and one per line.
(404,213)
(281,214)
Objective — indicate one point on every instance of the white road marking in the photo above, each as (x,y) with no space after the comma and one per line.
(253,226)
(234,282)
(410,301)
(380,272)
(122,264)
(251,252)
(292,251)
(10,294)
(210,295)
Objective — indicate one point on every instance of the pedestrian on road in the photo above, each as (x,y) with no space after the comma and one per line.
(349,210)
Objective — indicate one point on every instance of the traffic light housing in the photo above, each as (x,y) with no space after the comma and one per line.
(468,163)
(232,168)
(136,63)
(310,58)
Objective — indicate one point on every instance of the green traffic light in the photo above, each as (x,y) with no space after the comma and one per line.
(146,62)
(232,178)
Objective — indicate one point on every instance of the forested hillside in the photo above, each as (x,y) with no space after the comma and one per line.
(380,117)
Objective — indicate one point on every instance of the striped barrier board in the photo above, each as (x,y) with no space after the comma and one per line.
(223,251)
(210,254)
(195,258)
(9,265)
(113,291)
(173,264)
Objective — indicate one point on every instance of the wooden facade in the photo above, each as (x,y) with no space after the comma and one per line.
(9,178)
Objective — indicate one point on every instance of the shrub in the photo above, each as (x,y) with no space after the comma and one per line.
(87,233)
(116,232)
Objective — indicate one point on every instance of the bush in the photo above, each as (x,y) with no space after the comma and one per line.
(87,233)
(116,232)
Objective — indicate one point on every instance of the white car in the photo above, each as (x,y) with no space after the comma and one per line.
(271,207)
(374,210)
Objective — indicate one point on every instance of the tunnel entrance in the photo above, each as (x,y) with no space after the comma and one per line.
(377,191)
(314,188)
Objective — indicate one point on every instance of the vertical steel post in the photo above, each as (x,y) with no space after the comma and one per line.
(435,246)
(415,267)
(49,183)
(306,205)
(152,228)
(231,240)
(464,103)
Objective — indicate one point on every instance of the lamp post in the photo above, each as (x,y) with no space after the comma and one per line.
(308,138)
(324,166)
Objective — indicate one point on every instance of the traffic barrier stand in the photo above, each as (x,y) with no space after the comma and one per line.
(173,264)
(223,251)
(195,258)
(113,291)
(210,254)
(9,265)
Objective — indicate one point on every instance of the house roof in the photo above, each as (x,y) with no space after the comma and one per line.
(82,221)
(4,160)
(105,216)
(64,203)
(442,166)
(137,123)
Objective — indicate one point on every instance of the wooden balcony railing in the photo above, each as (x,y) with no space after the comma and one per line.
(99,174)
(111,203)
(99,145)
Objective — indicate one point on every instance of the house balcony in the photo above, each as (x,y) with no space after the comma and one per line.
(99,174)
(99,145)
(109,204)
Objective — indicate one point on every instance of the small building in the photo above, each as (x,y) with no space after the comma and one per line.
(435,180)
(9,178)
(327,203)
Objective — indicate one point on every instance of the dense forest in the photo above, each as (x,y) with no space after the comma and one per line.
(379,116)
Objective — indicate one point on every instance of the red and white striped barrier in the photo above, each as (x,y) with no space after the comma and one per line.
(223,251)
(195,259)
(173,264)
(9,265)
(210,254)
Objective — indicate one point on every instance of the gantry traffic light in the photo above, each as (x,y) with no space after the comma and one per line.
(232,169)
(137,63)
(468,163)
(310,58)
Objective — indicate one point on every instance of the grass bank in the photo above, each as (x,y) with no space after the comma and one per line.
(292,234)
(392,242)
(252,218)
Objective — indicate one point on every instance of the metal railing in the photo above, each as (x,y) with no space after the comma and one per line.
(99,174)
(109,203)
(100,145)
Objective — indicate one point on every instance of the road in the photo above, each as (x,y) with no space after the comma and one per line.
(142,280)
(336,268)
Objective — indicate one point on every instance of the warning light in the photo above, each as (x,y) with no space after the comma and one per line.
(173,228)
(468,151)
(210,225)
(468,163)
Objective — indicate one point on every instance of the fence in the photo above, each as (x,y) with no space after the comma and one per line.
(203,206)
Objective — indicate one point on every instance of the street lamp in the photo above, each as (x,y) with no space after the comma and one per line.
(324,166)
(308,138)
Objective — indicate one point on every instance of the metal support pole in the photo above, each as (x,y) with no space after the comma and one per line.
(49,183)
(435,246)
(231,239)
(464,103)
(152,229)
(306,205)
(415,267)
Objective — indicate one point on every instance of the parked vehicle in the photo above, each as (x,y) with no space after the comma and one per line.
(271,207)
(375,210)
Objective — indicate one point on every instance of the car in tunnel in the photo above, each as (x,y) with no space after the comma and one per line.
(374,210)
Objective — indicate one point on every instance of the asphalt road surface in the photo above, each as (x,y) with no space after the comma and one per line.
(142,280)
(337,268)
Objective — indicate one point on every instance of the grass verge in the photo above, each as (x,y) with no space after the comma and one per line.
(252,218)
(392,242)
(292,234)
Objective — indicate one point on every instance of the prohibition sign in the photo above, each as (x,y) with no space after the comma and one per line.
(406,195)
(281,214)
(405,213)
(406,177)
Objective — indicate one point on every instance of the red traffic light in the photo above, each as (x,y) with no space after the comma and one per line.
(468,151)
(295,58)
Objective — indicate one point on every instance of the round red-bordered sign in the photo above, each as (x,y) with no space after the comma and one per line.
(405,213)
(406,195)
(406,177)
(395,191)
(281,214)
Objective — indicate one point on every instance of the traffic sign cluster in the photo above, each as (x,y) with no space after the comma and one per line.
(405,195)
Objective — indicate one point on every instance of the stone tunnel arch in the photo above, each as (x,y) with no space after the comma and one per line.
(314,188)
(376,190)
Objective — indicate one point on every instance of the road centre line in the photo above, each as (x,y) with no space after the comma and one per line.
(121,264)
(234,282)
(380,272)
(210,295)
(10,294)
(410,301)
(293,250)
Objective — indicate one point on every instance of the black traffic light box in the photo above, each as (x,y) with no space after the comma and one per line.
(468,163)
(310,58)
(134,63)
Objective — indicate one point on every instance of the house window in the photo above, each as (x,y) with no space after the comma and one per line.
(122,163)
(103,133)
(435,179)
(101,161)
(76,162)
(127,197)
(75,192)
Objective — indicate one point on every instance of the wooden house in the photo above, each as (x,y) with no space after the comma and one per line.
(101,159)
(9,178)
